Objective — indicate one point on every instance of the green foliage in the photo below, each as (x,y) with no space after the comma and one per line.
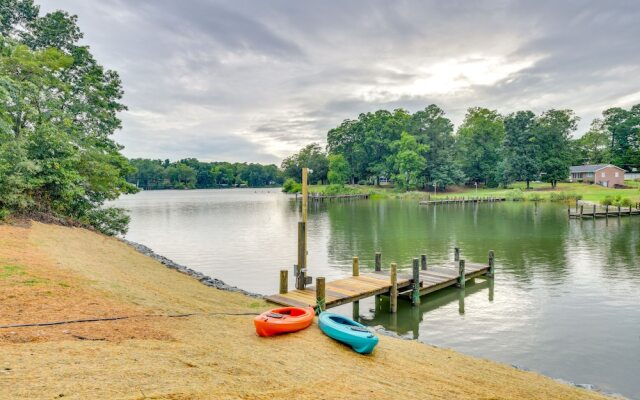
(408,162)
(291,186)
(623,126)
(479,145)
(311,156)
(515,195)
(58,109)
(616,201)
(553,131)
(338,169)
(193,174)
(564,196)
(521,158)
(534,197)
(594,147)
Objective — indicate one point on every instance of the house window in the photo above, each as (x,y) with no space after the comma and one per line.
(602,175)
(617,174)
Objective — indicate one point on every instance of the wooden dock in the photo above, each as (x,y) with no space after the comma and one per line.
(339,197)
(462,200)
(424,279)
(593,211)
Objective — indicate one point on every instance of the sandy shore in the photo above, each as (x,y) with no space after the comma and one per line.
(50,273)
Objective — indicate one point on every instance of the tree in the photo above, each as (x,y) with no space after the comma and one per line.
(62,106)
(310,156)
(624,128)
(594,146)
(520,148)
(479,145)
(553,130)
(338,169)
(408,162)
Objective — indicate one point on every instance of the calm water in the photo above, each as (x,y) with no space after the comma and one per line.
(565,301)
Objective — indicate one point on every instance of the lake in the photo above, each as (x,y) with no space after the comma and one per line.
(565,301)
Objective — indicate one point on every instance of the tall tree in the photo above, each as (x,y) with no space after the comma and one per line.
(311,156)
(553,130)
(624,128)
(520,147)
(430,127)
(338,169)
(479,144)
(594,146)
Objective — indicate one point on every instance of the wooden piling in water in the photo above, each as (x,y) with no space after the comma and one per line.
(355,267)
(456,254)
(284,281)
(619,212)
(393,293)
(320,293)
(415,292)
(423,262)
(461,278)
(491,271)
(594,211)
(302,255)
(378,262)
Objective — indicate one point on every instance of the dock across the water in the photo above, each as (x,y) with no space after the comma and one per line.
(338,197)
(422,280)
(593,211)
(458,200)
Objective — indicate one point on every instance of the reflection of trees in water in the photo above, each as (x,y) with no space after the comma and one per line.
(527,239)
(613,245)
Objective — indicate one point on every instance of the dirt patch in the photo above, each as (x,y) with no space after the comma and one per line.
(35,289)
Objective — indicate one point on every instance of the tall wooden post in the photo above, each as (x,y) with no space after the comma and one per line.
(393,294)
(423,262)
(378,264)
(594,211)
(456,254)
(356,266)
(320,294)
(606,211)
(461,280)
(284,281)
(415,292)
(301,275)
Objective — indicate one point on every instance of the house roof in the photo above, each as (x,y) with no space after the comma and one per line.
(591,168)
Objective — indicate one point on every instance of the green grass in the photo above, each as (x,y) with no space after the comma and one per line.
(7,271)
(566,192)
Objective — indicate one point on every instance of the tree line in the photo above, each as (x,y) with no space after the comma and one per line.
(422,149)
(193,174)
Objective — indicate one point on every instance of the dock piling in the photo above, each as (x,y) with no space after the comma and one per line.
(284,281)
(461,277)
(378,263)
(393,293)
(423,262)
(456,254)
(356,267)
(415,292)
(302,255)
(320,293)
(491,271)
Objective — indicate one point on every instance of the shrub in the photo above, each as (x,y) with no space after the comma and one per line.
(607,201)
(291,186)
(626,202)
(534,197)
(515,195)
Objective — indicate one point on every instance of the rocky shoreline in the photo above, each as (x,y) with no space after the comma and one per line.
(204,279)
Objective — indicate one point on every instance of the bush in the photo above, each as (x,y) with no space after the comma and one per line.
(626,202)
(607,201)
(534,197)
(515,195)
(110,220)
(291,186)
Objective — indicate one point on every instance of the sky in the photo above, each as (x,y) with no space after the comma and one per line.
(256,80)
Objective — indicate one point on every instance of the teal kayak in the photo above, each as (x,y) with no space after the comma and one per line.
(348,331)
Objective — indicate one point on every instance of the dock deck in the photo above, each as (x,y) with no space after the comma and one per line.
(603,211)
(354,288)
(462,200)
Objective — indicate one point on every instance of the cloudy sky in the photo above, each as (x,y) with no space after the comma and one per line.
(256,80)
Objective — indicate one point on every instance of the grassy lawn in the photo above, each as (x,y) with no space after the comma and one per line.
(517,191)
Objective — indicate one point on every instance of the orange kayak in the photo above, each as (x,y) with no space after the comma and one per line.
(283,320)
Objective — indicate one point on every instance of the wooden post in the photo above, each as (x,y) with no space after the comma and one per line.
(320,296)
(423,262)
(393,293)
(456,254)
(594,211)
(284,281)
(378,265)
(619,212)
(581,210)
(606,211)
(355,267)
(492,268)
(415,293)
(305,193)
(461,280)
(302,255)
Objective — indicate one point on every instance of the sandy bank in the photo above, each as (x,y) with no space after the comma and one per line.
(50,273)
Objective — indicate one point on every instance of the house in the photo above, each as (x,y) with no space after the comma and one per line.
(606,175)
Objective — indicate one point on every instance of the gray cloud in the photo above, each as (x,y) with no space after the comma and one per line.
(256,80)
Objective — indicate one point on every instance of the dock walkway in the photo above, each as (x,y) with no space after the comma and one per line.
(603,211)
(458,200)
(360,286)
